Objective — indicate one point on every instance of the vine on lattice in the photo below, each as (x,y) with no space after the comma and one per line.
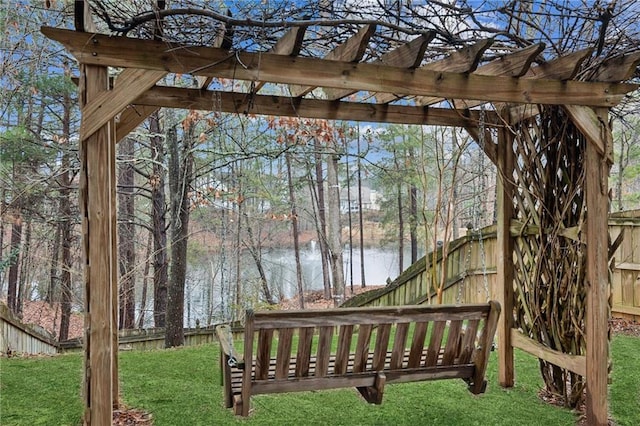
(549,253)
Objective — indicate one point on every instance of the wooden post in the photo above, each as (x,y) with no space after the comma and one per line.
(504,287)
(97,204)
(597,315)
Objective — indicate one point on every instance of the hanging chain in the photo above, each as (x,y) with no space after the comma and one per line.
(233,360)
(467,261)
(484,265)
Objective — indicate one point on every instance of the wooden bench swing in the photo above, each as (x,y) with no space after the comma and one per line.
(410,343)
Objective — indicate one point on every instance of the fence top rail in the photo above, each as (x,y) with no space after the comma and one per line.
(375,315)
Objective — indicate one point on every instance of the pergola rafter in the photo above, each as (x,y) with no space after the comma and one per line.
(397,88)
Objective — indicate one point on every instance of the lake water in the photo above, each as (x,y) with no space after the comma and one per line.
(210,288)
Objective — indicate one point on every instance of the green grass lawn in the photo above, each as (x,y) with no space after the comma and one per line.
(182,387)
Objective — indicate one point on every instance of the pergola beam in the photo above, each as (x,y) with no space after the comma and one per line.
(153,55)
(409,55)
(245,103)
(351,50)
(463,60)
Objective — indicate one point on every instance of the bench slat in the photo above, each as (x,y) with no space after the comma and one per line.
(469,341)
(284,353)
(399,344)
(345,337)
(362,348)
(382,344)
(263,354)
(453,342)
(324,351)
(417,344)
(434,343)
(305,340)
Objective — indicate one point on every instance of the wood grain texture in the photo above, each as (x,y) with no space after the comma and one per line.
(597,313)
(370,363)
(153,55)
(97,156)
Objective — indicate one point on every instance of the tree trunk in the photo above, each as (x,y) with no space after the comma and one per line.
(322,235)
(400,229)
(65,223)
(157,181)
(255,249)
(294,230)
(53,269)
(126,235)
(180,177)
(145,282)
(65,273)
(413,224)
(24,268)
(14,258)
(363,282)
(335,231)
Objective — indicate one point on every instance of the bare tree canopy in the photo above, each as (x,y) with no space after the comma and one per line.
(562,25)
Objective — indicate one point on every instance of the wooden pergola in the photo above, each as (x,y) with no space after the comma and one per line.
(511,85)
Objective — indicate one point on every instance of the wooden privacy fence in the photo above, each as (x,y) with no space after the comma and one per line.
(470,275)
(148,339)
(471,271)
(625,280)
(19,338)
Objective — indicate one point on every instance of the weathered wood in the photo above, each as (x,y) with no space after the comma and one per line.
(481,360)
(364,367)
(419,335)
(241,103)
(597,314)
(591,126)
(304,351)
(324,351)
(351,50)
(97,181)
(409,55)
(344,349)
(515,65)
(504,257)
(130,118)
(464,60)
(243,405)
(575,363)
(149,54)
(619,68)
(128,86)
(284,352)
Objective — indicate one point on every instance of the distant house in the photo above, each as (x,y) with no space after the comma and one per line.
(349,199)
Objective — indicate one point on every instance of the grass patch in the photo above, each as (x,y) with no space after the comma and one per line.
(182,386)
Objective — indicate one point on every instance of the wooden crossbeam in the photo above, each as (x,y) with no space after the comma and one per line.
(463,61)
(350,51)
(409,55)
(242,103)
(104,107)
(150,54)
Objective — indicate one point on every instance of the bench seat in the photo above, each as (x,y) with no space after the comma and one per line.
(365,348)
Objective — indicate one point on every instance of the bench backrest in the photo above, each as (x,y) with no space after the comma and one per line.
(334,342)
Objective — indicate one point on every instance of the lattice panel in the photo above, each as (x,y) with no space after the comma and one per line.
(549,254)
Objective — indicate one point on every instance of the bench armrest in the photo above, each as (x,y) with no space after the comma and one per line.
(223,332)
